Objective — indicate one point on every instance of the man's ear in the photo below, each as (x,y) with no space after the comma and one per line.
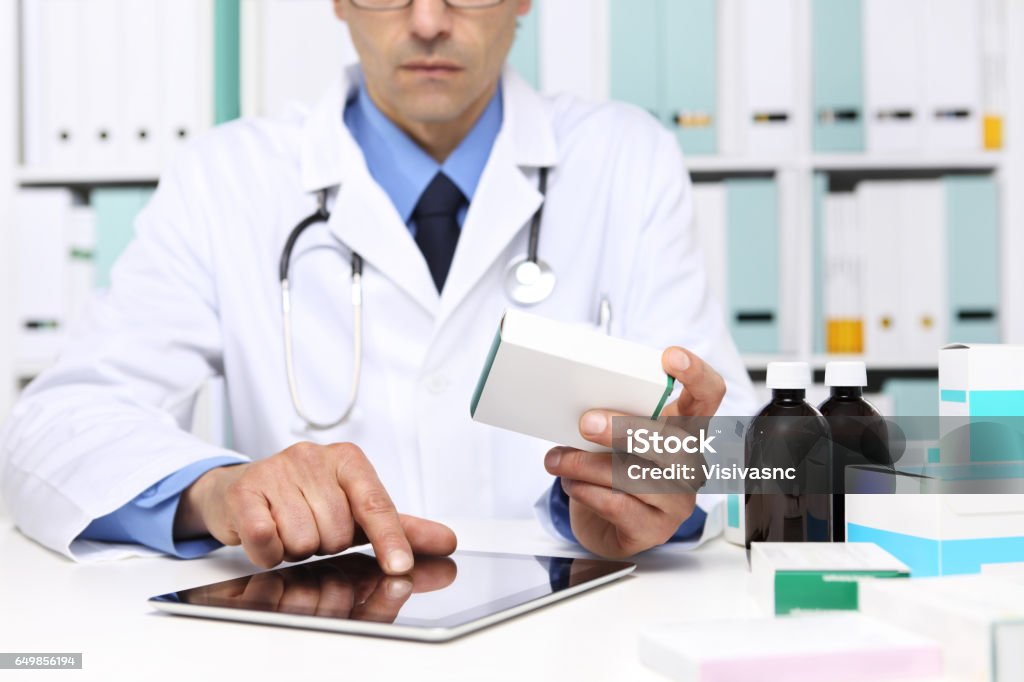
(339,9)
(523,10)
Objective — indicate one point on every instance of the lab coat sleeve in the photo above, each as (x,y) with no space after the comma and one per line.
(109,420)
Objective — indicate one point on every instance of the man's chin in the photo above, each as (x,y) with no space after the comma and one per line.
(433,108)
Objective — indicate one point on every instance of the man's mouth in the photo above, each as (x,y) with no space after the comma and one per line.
(432,67)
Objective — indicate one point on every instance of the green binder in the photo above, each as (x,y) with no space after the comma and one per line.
(753,246)
(115,209)
(972,215)
(635,57)
(838,75)
(688,59)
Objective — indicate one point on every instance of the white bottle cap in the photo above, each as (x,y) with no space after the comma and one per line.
(791,375)
(850,374)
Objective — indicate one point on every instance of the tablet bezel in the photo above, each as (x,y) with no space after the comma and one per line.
(442,630)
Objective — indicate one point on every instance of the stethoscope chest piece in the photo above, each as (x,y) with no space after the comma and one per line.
(529,282)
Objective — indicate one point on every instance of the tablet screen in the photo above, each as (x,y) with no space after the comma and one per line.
(440,592)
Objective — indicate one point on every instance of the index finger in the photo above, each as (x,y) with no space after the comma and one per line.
(375,513)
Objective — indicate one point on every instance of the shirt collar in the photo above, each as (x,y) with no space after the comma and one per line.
(402,168)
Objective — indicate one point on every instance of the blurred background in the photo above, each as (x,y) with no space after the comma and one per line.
(858,164)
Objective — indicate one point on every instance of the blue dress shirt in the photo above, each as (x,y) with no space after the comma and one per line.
(403,170)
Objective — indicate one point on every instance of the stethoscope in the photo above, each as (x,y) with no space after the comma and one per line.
(528,281)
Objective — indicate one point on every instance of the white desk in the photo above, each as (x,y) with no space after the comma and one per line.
(49,604)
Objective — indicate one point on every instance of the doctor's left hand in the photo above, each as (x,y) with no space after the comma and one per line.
(615,524)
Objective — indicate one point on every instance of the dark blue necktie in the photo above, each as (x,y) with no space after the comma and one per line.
(437,225)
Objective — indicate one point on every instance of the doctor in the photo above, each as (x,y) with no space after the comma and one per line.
(429,156)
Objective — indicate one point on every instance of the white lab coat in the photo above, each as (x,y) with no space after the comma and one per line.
(196,295)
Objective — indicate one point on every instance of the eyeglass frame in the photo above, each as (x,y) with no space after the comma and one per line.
(452,4)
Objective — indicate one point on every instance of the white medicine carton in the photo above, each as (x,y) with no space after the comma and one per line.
(977,619)
(542,375)
(981,407)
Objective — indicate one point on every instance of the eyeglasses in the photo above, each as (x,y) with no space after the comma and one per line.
(382,5)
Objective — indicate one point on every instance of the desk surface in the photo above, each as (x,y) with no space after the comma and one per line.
(100,610)
(50,604)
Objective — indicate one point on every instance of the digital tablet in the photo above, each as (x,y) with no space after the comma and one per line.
(442,598)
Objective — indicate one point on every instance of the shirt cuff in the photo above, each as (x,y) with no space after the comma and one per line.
(149,519)
(558,512)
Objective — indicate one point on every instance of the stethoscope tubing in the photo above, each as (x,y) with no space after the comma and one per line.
(322,215)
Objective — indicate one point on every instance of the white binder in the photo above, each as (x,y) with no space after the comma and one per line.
(952,75)
(879,212)
(893,74)
(710,222)
(40,219)
(769,76)
(843,248)
(52,73)
(575,58)
(923,258)
(288,70)
(186,73)
(104,84)
(731,111)
(903,223)
(141,101)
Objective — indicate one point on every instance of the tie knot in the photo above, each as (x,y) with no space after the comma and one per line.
(441,198)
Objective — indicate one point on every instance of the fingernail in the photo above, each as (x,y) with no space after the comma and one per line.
(552,459)
(593,424)
(678,361)
(399,561)
(399,588)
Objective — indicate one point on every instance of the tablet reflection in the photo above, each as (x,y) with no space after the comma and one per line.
(350,586)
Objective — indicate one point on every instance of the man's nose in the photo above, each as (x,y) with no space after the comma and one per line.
(430,18)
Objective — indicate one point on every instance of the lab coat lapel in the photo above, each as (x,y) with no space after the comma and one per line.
(507,196)
(362,216)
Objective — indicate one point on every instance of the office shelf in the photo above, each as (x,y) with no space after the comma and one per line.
(698,164)
(987,161)
(758,363)
(85,177)
(25,370)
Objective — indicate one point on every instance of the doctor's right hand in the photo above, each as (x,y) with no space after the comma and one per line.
(305,500)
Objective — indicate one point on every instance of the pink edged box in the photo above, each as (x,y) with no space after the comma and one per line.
(826,647)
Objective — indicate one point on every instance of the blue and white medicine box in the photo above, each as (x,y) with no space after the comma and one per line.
(981,408)
(940,534)
(981,387)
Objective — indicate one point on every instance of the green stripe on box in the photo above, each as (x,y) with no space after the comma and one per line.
(947,396)
(670,383)
(486,371)
(821,590)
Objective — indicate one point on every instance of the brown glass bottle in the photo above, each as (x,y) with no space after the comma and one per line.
(858,432)
(788,432)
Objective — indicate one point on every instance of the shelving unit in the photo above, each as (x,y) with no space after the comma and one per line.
(32,177)
(572,40)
